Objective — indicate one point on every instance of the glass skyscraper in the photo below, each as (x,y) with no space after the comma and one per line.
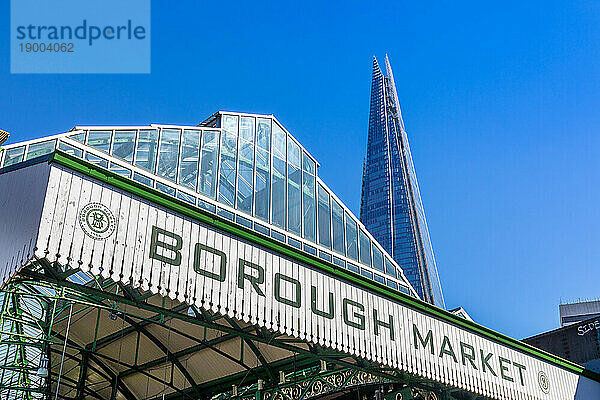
(391,207)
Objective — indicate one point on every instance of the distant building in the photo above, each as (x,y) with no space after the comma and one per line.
(578,342)
(572,313)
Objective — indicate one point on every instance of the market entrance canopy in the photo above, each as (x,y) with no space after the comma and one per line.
(241,289)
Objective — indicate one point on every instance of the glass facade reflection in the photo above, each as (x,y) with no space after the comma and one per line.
(391,206)
(245,168)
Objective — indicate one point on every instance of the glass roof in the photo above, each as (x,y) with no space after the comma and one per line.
(243,167)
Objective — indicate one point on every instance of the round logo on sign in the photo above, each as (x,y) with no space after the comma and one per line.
(97,221)
(544,382)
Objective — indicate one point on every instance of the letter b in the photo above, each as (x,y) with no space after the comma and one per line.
(155,243)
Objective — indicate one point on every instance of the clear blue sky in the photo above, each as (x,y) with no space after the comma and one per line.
(500,100)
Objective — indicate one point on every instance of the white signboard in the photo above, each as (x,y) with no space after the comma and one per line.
(120,236)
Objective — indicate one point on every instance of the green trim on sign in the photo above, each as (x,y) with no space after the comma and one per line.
(203,216)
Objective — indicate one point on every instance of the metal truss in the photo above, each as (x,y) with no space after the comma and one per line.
(44,300)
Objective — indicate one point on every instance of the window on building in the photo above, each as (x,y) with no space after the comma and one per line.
(309,207)
(14,156)
(190,157)
(208,164)
(308,165)
(168,153)
(145,154)
(294,200)
(351,238)
(324,217)
(278,217)
(245,183)
(262,184)
(124,145)
(337,222)
(40,149)
(227,174)
(389,268)
(100,140)
(365,247)
(378,259)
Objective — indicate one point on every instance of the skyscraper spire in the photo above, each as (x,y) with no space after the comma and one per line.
(393,92)
(391,206)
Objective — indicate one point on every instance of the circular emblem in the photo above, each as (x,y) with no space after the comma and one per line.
(97,221)
(543,382)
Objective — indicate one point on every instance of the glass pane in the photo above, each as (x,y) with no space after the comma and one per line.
(365,247)
(207,206)
(278,235)
(168,153)
(293,153)
(190,157)
(124,145)
(310,249)
(14,156)
(295,243)
(279,141)
(278,217)
(263,134)
(247,129)
(243,221)
(80,137)
(294,201)
(403,289)
(377,259)
(351,238)
(245,187)
(100,140)
(116,168)
(392,284)
(389,268)
(96,160)
(143,179)
(366,273)
(225,213)
(262,229)
(228,160)
(208,166)
(324,214)
(230,124)
(72,150)
(339,261)
(398,273)
(308,164)
(309,207)
(324,255)
(165,188)
(145,155)
(227,164)
(186,197)
(40,149)
(337,223)
(262,185)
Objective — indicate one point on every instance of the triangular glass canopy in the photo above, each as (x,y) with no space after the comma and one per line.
(246,168)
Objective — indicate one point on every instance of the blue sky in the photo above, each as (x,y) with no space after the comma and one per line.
(500,101)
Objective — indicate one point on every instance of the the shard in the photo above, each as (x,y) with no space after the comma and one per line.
(391,207)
